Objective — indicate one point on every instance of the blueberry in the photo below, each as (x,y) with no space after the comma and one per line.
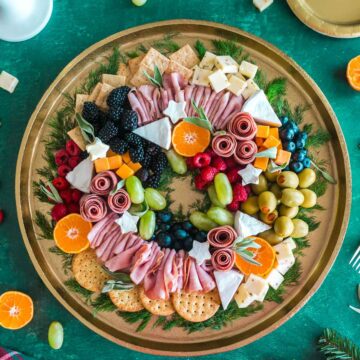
(177,245)
(292,125)
(287,134)
(164,239)
(188,243)
(187,225)
(165,216)
(193,231)
(300,143)
(290,146)
(175,227)
(296,166)
(201,236)
(306,162)
(300,155)
(284,120)
(164,227)
(180,234)
(302,135)
(287,168)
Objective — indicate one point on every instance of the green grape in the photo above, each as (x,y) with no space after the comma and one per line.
(154,199)
(201,221)
(213,197)
(177,162)
(135,189)
(147,225)
(223,188)
(220,216)
(139,2)
(56,335)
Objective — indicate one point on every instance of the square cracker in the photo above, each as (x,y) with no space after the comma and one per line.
(134,63)
(76,135)
(185,56)
(103,94)
(94,94)
(123,70)
(113,80)
(139,78)
(154,57)
(176,67)
(79,102)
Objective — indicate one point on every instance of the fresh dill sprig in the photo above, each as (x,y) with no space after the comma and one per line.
(179,214)
(201,204)
(298,113)
(301,244)
(132,54)
(229,47)
(102,303)
(319,186)
(66,259)
(74,286)
(318,139)
(260,79)
(200,48)
(133,317)
(46,226)
(166,45)
(46,172)
(275,90)
(310,220)
(308,128)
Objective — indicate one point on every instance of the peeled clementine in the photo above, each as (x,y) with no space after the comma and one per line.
(353,73)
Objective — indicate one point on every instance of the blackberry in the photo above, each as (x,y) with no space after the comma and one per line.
(102,119)
(146,162)
(153,181)
(118,96)
(108,131)
(133,139)
(83,155)
(90,111)
(118,145)
(143,174)
(129,120)
(159,163)
(115,113)
(136,154)
(153,149)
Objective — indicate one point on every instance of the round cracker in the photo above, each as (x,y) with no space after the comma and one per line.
(196,306)
(88,272)
(156,307)
(127,300)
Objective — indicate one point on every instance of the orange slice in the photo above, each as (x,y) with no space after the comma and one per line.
(353,73)
(189,139)
(16,310)
(70,234)
(265,256)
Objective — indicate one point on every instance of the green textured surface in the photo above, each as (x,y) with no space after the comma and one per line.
(74,26)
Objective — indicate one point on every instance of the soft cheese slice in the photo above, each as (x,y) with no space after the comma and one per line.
(80,177)
(243,298)
(158,132)
(8,82)
(262,4)
(274,279)
(259,107)
(246,225)
(218,81)
(227,283)
(227,64)
(248,69)
(201,76)
(284,257)
(208,61)
(257,286)
(128,222)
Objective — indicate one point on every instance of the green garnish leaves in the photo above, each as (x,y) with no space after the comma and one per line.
(50,191)
(116,285)
(46,226)
(118,186)
(201,120)
(241,247)
(139,209)
(87,130)
(229,47)
(157,80)
(324,173)
(117,275)
(268,153)
(200,48)
(275,90)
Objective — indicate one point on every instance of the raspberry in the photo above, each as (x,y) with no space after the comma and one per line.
(76,195)
(66,196)
(233,206)
(208,173)
(201,160)
(74,161)
(230,162)
(218,163)
(60,183)
(233,176)
(61,157)
(72,148)
(211,152)
(63,170)
(58,212)
(239,193)
(1,216)
(73,208)
(247,189)
(190,163)
(200,183)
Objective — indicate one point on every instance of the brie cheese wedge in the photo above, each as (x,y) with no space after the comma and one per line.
(246,225)
(80,177)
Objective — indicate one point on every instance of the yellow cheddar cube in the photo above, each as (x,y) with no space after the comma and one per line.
(274,132)
(283,157)
(115,162)
(111,153)
(259,141)
(125,171)
(126,158)
(134,166)
(263,131)
(101,164)
(261,163)
(271,141)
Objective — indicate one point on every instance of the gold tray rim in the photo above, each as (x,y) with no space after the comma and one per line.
(198,348)
(325,28)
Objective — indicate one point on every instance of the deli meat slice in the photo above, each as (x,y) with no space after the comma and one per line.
(216,117)
(103,183)
(242,125)
(206,280)
(191,279)
(136,106)
(170,273)
(245,152)
(164,99)
(224,144)
(99,227)
(179,261)
(221,237)
(223,259)
(109,252)
(92,207)
(107,243)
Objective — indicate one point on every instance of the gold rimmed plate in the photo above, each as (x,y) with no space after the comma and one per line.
(325,241)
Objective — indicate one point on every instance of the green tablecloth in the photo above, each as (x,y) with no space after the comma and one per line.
(74,26)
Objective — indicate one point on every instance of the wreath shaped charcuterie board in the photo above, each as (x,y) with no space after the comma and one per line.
(183,176)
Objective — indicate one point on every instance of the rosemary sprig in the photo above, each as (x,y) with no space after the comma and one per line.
(202,120)
(74,286)
(51,193)
(46,227)
(200,48)
(116,285)
(36,185)
(323,173)
(66,258)
(87,130)
(157,79)
(102,303)
(143,316)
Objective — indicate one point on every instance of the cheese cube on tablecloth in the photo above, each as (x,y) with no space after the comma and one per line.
(8,82)
(262,4)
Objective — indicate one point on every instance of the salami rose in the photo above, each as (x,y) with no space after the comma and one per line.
(103,183)
(119,202)
(221,237)
(245,152)
(223,259)
(224,145)
(92,207)
(242,126)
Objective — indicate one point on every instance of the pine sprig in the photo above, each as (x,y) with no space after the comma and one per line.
(143,316)
(200,48)
(66,259)
(46,227)
(36,185)
(334,346)
(46,172)
(74,286)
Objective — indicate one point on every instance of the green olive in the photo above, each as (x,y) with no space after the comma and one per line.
(276,190)
(309,198)
(271,176)
(292,197)
(283,226)
(306,178)
(267,202)
(250,206)
(271,237)
(301,228)
(288,179)
(261,186)
(290,212)
(269,218)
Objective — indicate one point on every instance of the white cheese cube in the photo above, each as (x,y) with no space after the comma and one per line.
(240,76)
(8,82)
(237,86)
(274,279)
(227,64)
(243,298)
(285,257)
(208,61)
(257,286)
(290,241)
(218,81)
(248,69)
(201,76)
(262,4)
(251,89)
(285,267)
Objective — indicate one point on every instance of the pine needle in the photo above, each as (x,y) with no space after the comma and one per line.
(229,47)
(102,304)
(200,48)
(318,139)
(66,258)
(143,316)
(275,90)
(166,45)
(46,227)
(74,286)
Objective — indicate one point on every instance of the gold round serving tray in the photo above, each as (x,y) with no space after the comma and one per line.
(325,241)
(335,18)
